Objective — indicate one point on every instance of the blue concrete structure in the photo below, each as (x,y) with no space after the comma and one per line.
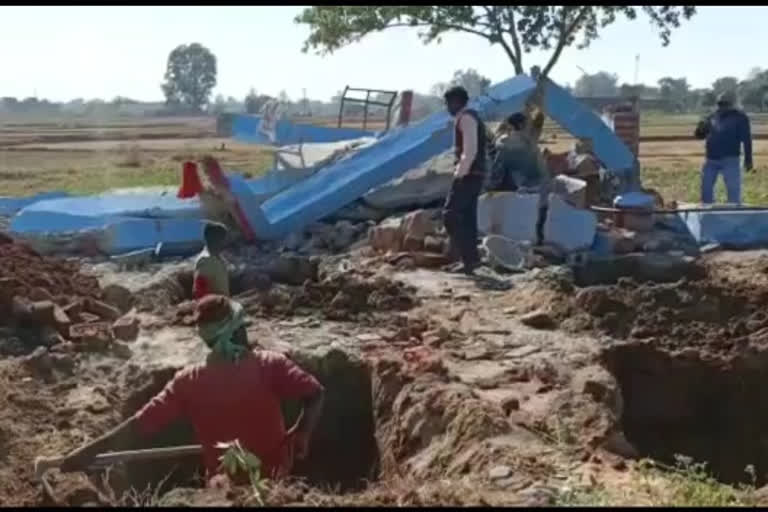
(10,205)
(119,222)
(730,230)
(283,202)
(245,128)
(405,148)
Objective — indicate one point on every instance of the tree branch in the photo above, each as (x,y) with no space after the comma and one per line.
(565,33)
(515,40)
(514,55)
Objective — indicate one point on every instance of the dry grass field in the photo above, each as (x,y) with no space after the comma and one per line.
(87,156)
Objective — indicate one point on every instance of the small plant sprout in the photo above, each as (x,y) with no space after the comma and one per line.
(237,459)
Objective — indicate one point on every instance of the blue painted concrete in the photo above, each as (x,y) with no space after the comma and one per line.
(128,234)
(276,181)
(395,153)
(120,222)
(732,230)
(283,202)
(11,205)
(405,148)
(245,128)
(103,206)
(580,121)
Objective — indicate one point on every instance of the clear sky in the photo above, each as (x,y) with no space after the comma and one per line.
(67,52)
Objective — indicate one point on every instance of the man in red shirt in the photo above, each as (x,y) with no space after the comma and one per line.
(235,394)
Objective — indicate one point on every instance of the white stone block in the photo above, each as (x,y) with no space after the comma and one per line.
(569,228)
(508,214)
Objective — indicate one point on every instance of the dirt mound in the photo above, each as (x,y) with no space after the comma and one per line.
(43,418)
(718,315)
(343,296)
(44,301)
(22,271)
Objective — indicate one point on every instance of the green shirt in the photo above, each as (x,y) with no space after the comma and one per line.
(214,269)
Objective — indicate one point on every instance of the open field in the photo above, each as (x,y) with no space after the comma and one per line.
(90,167)
(84,156)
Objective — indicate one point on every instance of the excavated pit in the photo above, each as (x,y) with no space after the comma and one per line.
(713,411)
(344,454)
(692,369)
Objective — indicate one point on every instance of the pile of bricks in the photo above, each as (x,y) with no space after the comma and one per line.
(37,291)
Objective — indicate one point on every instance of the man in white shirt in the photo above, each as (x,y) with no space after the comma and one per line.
(460,211)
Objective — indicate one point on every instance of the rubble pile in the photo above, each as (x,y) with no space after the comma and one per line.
(326,237)
(338,296)
(46,301)
(417,231)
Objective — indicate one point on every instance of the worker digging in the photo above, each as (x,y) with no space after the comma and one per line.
(235,395)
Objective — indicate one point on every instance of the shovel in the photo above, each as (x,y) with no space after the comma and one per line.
(43,464)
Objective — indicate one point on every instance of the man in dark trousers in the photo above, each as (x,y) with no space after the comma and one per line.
(460,211)
(725,131)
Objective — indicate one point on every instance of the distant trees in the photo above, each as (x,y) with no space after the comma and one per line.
(726,83)
(676,92)
(254,102)
(190,76)
(470,79)
(601,83)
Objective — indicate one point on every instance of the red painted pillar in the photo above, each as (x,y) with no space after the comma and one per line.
(406,102)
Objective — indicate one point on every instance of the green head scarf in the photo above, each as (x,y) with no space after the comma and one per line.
(218,335)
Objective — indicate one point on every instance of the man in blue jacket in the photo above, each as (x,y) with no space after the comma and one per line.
(725,130)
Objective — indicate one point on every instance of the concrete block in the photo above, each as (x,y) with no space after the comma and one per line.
(569,228)
(731,229)
(572,190)
(508,214)
(419,224)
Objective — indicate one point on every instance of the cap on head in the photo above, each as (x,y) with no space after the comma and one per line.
(726,99)
(215,234)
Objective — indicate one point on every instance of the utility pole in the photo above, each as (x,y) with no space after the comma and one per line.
(637,68)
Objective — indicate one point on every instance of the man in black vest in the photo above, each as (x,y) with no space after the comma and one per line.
(460,211)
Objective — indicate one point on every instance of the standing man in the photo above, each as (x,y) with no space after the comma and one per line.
(211,275)
(235,394)
(725,131)
(460,211)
